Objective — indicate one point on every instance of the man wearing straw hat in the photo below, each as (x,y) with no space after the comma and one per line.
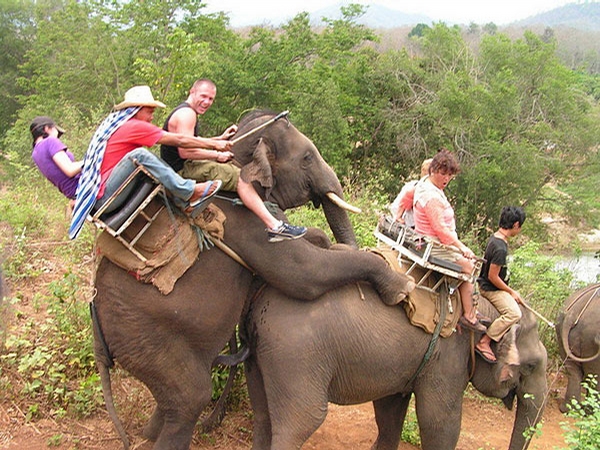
(200,164)
(120,139)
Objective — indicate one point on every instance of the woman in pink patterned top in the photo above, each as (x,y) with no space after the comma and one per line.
(434,217)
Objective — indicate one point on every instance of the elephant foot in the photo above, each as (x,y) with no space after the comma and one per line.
(563,407)
(395,297)
(154,426)
(393,300)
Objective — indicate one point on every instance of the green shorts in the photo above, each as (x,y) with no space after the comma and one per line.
(212,170)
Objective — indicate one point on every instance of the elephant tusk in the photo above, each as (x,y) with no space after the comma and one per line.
(342,204)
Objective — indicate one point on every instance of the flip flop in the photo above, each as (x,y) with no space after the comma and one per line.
(200,205)
(485,355)
(477,326)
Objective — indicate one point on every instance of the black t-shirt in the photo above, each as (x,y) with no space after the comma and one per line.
(496,252)
(169,153)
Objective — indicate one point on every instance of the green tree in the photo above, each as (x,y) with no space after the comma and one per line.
(16,33)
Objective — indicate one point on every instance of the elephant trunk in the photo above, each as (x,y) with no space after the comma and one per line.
(531,399)
(339,222)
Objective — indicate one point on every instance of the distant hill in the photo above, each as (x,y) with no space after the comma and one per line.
(582,16)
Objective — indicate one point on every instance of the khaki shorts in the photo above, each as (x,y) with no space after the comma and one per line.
(446,253)
(212,170)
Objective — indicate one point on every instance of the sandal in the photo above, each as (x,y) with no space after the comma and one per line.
(485,320)
(485,355)
(197,206)
(473,326)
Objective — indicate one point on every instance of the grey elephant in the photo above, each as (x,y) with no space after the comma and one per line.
(348,348)
(578,333)
(170,342)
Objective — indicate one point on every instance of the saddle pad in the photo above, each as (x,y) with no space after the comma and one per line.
(421,306)
(170,245)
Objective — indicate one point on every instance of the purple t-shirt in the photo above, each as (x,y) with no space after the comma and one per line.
(42,155)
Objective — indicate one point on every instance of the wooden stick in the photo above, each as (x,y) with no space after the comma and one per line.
(260,127)
(550,324)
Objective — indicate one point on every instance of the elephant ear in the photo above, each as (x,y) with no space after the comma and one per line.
(259,169)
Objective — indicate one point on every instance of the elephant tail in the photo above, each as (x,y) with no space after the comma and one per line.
(215,418)
(104,362)
(110,404)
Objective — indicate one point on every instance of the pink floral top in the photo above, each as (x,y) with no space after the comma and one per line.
(433,214)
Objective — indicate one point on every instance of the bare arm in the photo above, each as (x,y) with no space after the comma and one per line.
(494,277)
(191,142)
(434,211)
(68,167)
(183,122)
(399,214)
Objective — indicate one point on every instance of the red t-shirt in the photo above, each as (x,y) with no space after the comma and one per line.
(132,134)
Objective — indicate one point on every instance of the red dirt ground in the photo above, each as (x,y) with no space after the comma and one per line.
(486,425)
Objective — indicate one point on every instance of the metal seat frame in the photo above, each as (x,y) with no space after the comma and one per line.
(415,250)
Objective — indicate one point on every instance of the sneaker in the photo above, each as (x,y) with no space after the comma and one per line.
(286,232)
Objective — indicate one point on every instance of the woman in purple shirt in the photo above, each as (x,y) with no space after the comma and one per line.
(53,158)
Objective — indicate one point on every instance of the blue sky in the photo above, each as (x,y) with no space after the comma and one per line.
(501,12)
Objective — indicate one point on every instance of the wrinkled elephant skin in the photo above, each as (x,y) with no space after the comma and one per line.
(170,342)
(349,349)
(578,333)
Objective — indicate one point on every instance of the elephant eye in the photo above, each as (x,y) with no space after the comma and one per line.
(307,160)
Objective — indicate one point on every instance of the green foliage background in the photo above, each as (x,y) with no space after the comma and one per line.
(520,121)
(517,117)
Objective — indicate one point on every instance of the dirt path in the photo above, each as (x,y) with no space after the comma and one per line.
(486,425)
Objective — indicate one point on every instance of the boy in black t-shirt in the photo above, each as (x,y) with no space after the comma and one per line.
(494,278)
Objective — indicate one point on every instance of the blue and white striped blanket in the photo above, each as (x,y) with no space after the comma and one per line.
(89,181)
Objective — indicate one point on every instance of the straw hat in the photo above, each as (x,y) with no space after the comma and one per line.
(139,96)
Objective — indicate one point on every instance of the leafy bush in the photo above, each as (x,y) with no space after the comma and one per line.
(536,277)
(53,359)
(584,434)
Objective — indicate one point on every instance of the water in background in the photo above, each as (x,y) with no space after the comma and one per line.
(584,267)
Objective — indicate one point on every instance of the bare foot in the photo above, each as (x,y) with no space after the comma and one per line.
(200,188)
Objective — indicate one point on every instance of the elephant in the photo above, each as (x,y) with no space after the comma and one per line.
(169,342)
(578,337)
(348,347)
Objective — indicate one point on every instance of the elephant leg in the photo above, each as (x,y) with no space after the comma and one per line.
(297,407)
(261,424)
(154,426)
(439,411)
(181,396)
(574,379)
(390,413)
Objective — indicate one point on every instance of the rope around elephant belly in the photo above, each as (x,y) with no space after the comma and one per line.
(582,294)
(585,307)
(442,297)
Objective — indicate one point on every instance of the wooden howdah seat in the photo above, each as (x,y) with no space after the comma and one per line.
(415,250)
(136,207)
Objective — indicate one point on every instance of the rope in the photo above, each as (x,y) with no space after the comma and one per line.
(436,333)
(472,353)
(586,305)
